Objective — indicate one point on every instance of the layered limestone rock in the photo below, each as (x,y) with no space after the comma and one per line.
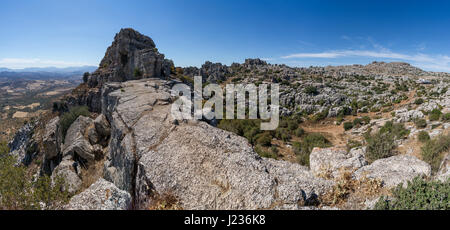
(204,167)
(332,160)
(131,56)
(395,170)
(102,195)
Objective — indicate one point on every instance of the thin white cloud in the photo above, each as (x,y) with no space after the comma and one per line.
(433,62)
(20,63)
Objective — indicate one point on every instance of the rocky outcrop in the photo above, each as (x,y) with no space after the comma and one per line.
(131,56)
(102,195)
(204,167)
(76,143)
(52,139)
(332,160)
(444,170)
(23,146)
(395,170)
(70,172)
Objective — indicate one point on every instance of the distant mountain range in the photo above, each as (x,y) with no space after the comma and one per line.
(45,73)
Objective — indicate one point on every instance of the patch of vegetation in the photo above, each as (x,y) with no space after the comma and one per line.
(434,149)
(420,194)
(348,125)
(420,123)
(69,117)
(18,190)
(423,136)
(435,115)
(137,73)
(311,90)
(304,148)
(382,144)
(419,101)
(446,117)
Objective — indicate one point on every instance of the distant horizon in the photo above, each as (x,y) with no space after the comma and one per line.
(268,62)
(47,33)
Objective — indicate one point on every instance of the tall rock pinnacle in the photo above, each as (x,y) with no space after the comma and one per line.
(131,56)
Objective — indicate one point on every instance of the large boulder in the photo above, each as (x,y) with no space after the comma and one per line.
(69,171)
(102,195)
(22,143)
(395,170)
(333,160)
(202,166)
(131,56)
(52,139)
(76,143)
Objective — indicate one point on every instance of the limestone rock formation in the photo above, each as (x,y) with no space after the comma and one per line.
(131,56)
(203,166)
(444,170)
(332,160)
(102,195)
(52,139)
(395,170)
(76,143)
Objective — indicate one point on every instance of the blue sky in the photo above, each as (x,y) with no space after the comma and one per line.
(38,33)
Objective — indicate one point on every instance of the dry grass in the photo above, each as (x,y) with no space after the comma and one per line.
(166,201)
(347,186)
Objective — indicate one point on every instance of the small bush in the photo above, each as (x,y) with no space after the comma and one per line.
(348,125)
(264,139)
(418,101)
(69,117)
(309,142)
(419,194)
(420,123)
(137,73)
(432,151)
(299,132)
(382,144)
(18,190)
(311,90)
(423,136)
(446,117)
(434,115)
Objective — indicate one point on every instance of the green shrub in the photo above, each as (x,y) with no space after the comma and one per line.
(305,147)
(418,101)
(433,150)
(423,136)
(446,117)
(249,129)
(357,122)
(366,120)
(420,123)
(420,194)
(137,73)
(86,77)
(18,190)
(299,132)
(348,125)
(69,117)
(382,144)
(264,139)
(311,90)
(434,115)
(263,153)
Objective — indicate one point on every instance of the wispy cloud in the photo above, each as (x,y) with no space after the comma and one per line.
(19,63)
(434,62)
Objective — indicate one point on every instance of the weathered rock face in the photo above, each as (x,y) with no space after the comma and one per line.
(395,170)
(76,143)
(52,139)
(131,56)
(69,171)
(444,170)
(204,167)
(332,160)
(22,146)
(102,195)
